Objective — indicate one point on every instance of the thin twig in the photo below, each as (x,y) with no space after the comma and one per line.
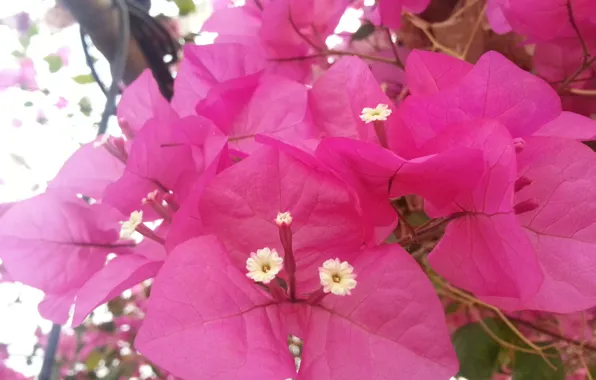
(577,72)
(503,343)
(398,61)
(297,30)
(49,358)
(582,92)
(336,52)
(551,333)
(579,35)
(455,15)
(475,30)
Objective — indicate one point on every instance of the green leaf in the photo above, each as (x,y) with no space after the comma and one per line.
(528,366)
(54,62)
(185,7)
(363,32)
(93,359)
(476,351)
(84,79)
(85,106)
(452,307)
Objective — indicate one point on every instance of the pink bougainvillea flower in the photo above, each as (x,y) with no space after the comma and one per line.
(88,171)
(541,20)
(203,305)
(339,96)
(485,250)
(204,66)
(65,239)
(259,103)
(390,10)
(326,211)
(379,174)
(495,88)
(501,237)
(167,157)
(142,101)
(562,229)
(557,62)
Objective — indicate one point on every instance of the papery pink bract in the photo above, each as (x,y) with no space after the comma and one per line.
(390,10)
(142,101)
(261,103)
(120,274)
(379,174)
(325,210)
(88,171)
(428,73)
(562,229)
(204,66)
(485,251)
(494,89)
(165,157)
(67,241)
(339,95)
(362,336)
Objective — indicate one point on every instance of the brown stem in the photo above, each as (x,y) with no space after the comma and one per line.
(394,49)
(579,35)
(340,53)
(551,333)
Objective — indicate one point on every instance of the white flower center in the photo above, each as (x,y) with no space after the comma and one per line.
(380,112)
(337,277)
(128,227)
(283,218)
(263,265)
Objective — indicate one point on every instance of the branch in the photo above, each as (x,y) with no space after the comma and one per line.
(99,19)
(551,333)
(49,358)
(337,52)
(579,35)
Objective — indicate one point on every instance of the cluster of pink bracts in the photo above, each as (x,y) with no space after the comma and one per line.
(263,197)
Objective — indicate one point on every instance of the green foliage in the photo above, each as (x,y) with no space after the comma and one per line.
(83,79)
(54,62)
(528,366)
(480,355)
(185,7)
(476,351)
(85,106)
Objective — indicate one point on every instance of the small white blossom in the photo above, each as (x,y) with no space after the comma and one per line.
(337,277)
(128,227)
(294,349)
(380,112)
(283,218)
(263,265)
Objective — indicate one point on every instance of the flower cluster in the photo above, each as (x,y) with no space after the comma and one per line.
(267,202)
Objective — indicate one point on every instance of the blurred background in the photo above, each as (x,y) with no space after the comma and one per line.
(51,104)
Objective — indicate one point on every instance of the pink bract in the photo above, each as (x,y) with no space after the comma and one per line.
(216,304)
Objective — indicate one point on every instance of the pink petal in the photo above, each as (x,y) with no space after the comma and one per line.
(563,228)
(486,252)
(267,104)
(56,307)
(165,157)
(496,17)
(120,274)
(66,239)
(378,174)
(204,66)
(392,317)
(428,73)
(339,95)
(88,171)
(326,215)
(142,101)
(490,256)
(571,126)
(494,89)
(207,320)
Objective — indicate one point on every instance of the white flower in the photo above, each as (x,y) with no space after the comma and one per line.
(150,197)
(128,227)
(380,112)
(283,218)
(337,277)
(264,265)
